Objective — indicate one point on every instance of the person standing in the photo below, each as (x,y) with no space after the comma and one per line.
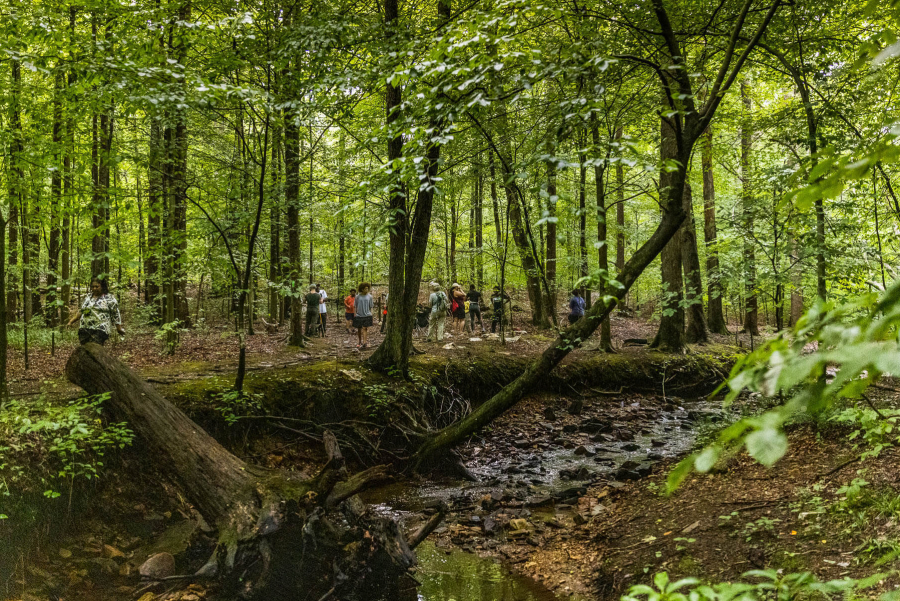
(99,313)
(498,299)
(323,309)
(576,306)
(312,311)
(457,308)
(438,316)
(474,298)
(362,318)
(384,313)
(350,311)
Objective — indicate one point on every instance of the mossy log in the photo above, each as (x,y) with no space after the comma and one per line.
(280,536)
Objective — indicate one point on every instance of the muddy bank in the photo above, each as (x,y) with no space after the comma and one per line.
(346,394)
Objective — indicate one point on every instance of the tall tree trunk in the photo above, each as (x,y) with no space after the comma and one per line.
(603,246)
(494,201)
(620,209)
(14,182)
(714,314)
(179,185)
(751,313)
(583,270)
(479,224)
(292,201)
(155,212)
(409,235)
(55,204)
(34,254)
(690,260)
(670,336)
(275,228)
(551,256)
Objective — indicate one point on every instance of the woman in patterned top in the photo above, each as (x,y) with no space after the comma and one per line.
(99,312)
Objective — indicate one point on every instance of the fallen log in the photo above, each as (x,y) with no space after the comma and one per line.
(280,536)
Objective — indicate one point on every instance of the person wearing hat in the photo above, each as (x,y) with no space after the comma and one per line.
(438,317)
(458,308)
(497,300)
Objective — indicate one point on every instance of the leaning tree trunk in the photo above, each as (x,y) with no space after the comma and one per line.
(276,540)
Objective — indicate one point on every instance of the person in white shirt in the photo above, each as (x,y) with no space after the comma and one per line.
(323,310)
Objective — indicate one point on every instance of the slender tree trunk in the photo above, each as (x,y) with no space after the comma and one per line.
(551,257)
(14,181)
(494,201)
(479,225)
(670,336)
(603,246)
(715,316)
(583,271)
(751,314)
(55,204)
(409,234)
(696,320)
(292,200)
(275,227)
(620,210)
(179,185)
(155,211)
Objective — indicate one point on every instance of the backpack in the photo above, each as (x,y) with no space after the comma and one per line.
(442,304)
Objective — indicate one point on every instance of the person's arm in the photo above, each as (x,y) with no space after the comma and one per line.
(75,318)
(114,312)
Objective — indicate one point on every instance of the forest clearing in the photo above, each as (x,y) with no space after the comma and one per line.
(506,300)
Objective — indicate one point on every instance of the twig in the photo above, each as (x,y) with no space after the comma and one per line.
(327,595)
(608,392)
(839,467)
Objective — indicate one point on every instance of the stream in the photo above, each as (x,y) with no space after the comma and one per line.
(537,472)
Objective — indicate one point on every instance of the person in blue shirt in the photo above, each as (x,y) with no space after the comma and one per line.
(576,307)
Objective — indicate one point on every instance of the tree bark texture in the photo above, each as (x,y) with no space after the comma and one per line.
(670,336)
(714,314)
(602,238)
(751,313)
(276,538)
(690,260)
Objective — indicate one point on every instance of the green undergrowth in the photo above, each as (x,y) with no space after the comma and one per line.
(49,454)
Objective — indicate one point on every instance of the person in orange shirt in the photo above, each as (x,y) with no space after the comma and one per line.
(350,311)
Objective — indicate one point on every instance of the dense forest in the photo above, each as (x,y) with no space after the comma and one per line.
(716,179)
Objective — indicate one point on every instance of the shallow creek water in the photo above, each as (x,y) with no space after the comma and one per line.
(544,467)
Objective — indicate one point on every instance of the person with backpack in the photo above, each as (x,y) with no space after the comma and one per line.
(312,311)
(350,311)
(576,306)
(458,308)
(474,299)
(362,320)
(323,309)
(439,306)
(498,300)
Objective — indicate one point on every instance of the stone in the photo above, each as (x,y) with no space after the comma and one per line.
(519,524)
(148,597)
(522,443)
(112,553)
(583,450)
(489,526)
(629,465)
(549,414)
(570,428)
(576,407)
(579,519)
(627,475)
(161,565)
(644,470)
(538,501)
(630,447)
(658,443)
(65,553)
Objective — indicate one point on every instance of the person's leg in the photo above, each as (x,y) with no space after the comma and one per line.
(439,334)
(324,323)
(365,337)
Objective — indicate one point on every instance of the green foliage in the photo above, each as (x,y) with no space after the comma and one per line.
(234,405)
(859,337)
(43,443)
(758,584)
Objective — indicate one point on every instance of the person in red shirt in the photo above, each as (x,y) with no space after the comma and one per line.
(350,311)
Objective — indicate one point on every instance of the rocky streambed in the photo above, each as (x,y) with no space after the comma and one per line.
(544,472)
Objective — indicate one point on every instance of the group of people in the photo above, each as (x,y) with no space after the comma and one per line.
(316,311)
(464,309)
